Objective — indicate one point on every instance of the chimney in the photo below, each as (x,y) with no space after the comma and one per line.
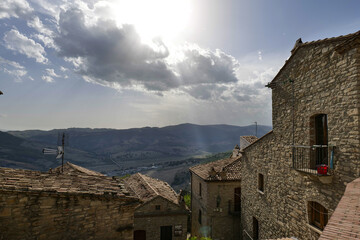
(297,44)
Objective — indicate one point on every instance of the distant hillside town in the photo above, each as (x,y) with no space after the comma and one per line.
(301,180)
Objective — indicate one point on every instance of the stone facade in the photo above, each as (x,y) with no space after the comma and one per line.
(76,204)
(320,77)
(163,215)
(46,215)
(159,212)
(213,197)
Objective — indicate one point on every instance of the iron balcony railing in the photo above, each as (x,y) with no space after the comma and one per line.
(315,159)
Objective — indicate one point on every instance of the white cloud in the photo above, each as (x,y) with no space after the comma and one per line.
(51,72)
(47,78)
(37,24)
(14,8)
(47,41)
(18,42)
(12,68)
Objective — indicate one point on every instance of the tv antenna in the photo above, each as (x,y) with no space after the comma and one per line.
(60,151)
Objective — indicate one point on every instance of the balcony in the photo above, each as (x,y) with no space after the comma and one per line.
(315,160)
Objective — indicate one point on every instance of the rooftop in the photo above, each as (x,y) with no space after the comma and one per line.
(227,169)
(250,139)
(345,221)
(147,188)
(89,182)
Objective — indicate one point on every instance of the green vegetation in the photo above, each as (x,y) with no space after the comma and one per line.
(196,238)
(187,199)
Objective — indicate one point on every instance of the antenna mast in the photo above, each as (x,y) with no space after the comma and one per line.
(255,129)
(63,153)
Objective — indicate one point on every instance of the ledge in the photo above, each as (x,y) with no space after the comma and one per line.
(315,229)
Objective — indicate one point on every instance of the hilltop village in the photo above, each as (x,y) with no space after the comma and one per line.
(299,181)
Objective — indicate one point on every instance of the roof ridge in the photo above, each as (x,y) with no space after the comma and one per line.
(142,177)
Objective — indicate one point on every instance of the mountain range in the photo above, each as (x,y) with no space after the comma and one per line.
(117,152)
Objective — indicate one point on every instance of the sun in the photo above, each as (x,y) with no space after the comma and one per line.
(154,18)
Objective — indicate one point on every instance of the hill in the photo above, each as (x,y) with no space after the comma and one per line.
(117,152)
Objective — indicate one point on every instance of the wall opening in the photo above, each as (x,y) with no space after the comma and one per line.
(318,215)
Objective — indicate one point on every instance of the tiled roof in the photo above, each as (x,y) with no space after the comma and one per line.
(345,38)
(250,139)
(146,188)
(227,169)
(72,168)
(345,221)
(69,182)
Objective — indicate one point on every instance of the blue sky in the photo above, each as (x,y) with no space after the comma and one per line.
(123,64)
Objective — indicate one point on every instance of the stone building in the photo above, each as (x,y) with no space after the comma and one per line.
(163,214)
(294,177)
(76,204)
(216,199)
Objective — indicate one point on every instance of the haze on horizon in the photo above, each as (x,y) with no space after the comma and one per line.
(125,64)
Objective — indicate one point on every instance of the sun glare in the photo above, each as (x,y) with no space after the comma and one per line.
(155,18)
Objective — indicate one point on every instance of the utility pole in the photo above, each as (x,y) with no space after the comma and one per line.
(63,149)
(255,129)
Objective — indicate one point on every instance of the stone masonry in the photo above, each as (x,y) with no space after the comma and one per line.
(76,204)
(163,209)
(213,197)
(320,77)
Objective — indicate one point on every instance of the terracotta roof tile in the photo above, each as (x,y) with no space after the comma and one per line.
(146,188)
(250,139)
(69,182)
(221,170)
(345,221)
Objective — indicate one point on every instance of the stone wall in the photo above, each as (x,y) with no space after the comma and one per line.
(220,222)
(325,81)
(151,219)
(46,215)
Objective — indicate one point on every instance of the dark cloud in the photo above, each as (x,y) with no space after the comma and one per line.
(204,66)
(112,54)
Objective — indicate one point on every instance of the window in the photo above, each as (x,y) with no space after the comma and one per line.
(199,217)
(237,199)
(157,207)
(255,229)
(200,189)
(261,182)
(318,215)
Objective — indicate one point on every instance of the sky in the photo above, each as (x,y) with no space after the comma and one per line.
(136,63)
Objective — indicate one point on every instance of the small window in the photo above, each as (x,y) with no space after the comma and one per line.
(255,229)
(199,217)
(157,207)
(200,189)
(318,215)
(261,182)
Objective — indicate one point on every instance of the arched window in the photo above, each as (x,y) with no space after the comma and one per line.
(318,215)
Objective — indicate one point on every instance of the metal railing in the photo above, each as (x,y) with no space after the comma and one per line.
(310,158)
(247,236)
